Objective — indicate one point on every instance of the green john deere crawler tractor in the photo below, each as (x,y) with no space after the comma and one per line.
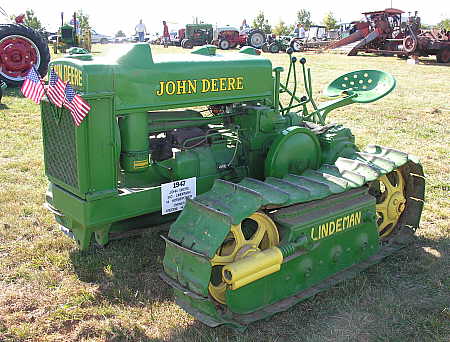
(72,36)
(278,203)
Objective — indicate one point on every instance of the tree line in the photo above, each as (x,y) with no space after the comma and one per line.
(31,20)
(281,28)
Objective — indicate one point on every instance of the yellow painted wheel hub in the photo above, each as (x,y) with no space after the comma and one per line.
(256,233)
(389,193)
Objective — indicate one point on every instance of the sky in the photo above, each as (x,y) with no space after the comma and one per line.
(107,18)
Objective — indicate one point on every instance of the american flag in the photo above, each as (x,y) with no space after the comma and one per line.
(33,87)
(78,107)
(56,89)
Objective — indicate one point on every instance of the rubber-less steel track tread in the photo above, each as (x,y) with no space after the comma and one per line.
(228,203)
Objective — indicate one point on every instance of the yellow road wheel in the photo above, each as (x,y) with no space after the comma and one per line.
(389,191)
(256,233)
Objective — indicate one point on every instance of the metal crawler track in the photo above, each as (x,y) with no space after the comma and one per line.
(205,223)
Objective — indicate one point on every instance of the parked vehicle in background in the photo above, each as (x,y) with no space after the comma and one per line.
(275,44)
(120,40)
(316,38)
(173,35)
(196,35)
(226,37)
(388,33)
(316,33)
(135,38)
(72,35)
(100,38)
(346,29)
(154,38)
(179,37)
(252,37)
(52,38)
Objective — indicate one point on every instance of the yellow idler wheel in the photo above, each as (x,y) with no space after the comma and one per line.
(389,191)
(256,233)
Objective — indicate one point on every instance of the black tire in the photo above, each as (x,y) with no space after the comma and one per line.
(443,56)
(224,44)
(256,38)
(297,45)
(265,47)
(187,44)
(274,48)
(1,91)
(28,36)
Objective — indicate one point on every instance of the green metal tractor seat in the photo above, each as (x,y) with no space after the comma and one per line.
(361,86)
(368,85)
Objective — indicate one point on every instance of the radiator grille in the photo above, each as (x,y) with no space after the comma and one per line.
(59,144)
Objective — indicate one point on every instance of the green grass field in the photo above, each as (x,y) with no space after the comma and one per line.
(50,291)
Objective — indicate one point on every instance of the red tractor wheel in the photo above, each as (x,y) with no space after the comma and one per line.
(20,48)
(409,44)
(443,56)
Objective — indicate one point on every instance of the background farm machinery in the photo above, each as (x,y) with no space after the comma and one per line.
(316,38)
(252,37)
(20,48)
(275,44)
(223,37)
(194,35)
(72,35)
(384,32)
(279,204)
(227,37)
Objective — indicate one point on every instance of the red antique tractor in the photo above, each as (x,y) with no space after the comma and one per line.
(229,37)
(20,48)
(226,37)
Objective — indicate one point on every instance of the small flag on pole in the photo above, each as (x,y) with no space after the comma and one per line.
(33,87)
(56,89)
(78,107)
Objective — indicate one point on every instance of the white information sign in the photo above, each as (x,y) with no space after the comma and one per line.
(173,195)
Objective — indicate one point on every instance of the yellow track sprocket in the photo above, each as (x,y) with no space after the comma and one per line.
(389,191)
(255,233)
